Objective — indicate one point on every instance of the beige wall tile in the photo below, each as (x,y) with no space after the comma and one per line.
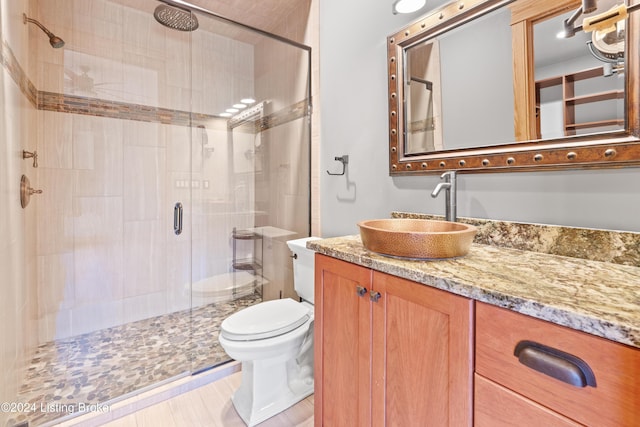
(98,249)
(178,148)
(144,257)
(55,149)
(52,326)
(136,133)
(55,283)
(144,306)
(98,315)
(144,193)
(103,138)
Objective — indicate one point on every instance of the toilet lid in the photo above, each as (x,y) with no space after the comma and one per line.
(265,320)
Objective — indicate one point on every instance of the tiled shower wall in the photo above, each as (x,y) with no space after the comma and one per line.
(106,249)
(17,226)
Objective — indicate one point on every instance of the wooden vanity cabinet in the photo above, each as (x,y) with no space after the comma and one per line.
(389,351)
(510,392)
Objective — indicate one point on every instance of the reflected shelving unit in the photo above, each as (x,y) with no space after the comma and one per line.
(572,98)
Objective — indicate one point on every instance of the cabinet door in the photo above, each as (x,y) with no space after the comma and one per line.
(422,355)
(342,344)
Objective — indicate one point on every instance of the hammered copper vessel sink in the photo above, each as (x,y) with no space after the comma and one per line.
(417,238)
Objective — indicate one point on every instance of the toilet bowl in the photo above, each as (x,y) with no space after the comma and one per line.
(274,342)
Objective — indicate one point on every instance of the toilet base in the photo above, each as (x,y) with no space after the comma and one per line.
(270,386)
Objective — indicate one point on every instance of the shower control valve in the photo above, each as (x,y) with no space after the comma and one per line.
(26,191)
(28,155)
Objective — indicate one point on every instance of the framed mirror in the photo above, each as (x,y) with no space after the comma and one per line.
(487,85)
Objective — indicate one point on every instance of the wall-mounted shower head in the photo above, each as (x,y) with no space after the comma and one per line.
(177,19)
(55,41)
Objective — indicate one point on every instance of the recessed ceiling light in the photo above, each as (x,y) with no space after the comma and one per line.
(225,114)
(247,100)
(232,110)
(239,106)
(408,6)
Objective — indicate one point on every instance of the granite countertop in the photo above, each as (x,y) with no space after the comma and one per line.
(599,298)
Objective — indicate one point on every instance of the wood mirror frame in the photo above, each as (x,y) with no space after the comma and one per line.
(612,149)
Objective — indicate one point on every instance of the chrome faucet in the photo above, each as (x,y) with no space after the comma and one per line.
(449,185)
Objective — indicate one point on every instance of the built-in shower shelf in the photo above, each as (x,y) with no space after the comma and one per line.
(253,263)
(246,265)
(245,235)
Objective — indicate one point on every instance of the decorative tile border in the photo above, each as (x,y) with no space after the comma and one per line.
(72,104)
(617,247)
(15,70)
(51,101)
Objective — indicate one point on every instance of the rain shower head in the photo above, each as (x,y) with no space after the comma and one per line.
(55,41)
(177,19)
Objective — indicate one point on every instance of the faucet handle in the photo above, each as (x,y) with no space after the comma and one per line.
(450,186)
(28,154)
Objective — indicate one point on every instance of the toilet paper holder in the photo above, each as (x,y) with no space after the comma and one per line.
(345,161)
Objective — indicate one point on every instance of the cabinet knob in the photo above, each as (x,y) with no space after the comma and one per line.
(361,291)
(374,296)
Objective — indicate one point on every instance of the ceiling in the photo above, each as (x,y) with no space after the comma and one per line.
(272,16)
(549,49)
(267,15)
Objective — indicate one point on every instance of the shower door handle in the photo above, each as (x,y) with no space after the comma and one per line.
(177,218)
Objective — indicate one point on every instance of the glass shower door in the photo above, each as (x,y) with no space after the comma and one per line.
(250,172)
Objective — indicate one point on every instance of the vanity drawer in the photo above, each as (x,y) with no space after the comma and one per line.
(496,406)
(613,401)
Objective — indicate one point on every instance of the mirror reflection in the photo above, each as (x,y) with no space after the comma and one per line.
(472,94)
(423,99)
(579,81)
(458,87)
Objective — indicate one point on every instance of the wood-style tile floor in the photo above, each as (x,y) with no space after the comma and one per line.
(211,405)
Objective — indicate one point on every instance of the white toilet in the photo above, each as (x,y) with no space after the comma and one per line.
(274,342)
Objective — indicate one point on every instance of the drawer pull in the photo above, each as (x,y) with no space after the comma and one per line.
(555,363)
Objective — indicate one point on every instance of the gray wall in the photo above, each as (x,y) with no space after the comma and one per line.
(353,92)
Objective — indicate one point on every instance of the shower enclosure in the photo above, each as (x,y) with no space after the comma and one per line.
(174,158)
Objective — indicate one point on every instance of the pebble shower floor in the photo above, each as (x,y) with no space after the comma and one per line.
(95,368)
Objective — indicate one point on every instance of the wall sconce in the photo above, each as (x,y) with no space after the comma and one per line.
(407,6)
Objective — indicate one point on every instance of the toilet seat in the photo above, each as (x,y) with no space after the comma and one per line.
(265,320)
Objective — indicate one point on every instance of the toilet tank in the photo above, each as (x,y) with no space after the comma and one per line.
(303,266)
